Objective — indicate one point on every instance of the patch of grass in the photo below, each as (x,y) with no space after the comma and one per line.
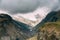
(51,26)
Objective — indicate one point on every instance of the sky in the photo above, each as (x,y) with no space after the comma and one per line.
(24,6)
(29,8)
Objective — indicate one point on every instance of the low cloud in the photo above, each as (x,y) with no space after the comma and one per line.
(24,6)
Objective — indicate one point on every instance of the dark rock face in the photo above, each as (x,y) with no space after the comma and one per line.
(8,30)
(5,17)
(4,21)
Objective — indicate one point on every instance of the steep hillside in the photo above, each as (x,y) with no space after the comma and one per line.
(48,31)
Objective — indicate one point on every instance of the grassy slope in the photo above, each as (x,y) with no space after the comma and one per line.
(50,27)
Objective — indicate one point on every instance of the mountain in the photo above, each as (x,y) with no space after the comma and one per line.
(50,30)
(11,29)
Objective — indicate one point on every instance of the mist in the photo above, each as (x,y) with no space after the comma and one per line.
(27,6)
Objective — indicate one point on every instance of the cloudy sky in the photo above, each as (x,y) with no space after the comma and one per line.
(28,8)
(24,6)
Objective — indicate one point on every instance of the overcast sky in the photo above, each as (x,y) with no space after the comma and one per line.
(24,6)
(28,6)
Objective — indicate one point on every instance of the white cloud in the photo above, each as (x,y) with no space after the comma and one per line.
(42,12)
(24,6)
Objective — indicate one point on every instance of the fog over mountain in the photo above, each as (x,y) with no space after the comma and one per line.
(26,6)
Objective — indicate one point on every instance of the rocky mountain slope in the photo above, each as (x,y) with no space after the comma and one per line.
(49,30)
